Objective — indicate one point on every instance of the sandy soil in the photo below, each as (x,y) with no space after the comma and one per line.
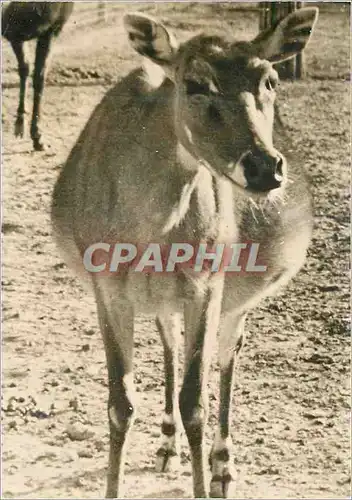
(292,393)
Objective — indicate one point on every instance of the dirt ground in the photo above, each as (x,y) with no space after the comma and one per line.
(291,416)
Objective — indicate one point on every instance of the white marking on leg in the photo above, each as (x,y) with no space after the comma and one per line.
(129,387)
(220,443)
(113,417)
(168,419)
(168,455)
(171,442)
(222,468)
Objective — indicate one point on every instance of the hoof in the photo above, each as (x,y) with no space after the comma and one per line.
(19,127)
(220,486)
(167,461)
(38,145)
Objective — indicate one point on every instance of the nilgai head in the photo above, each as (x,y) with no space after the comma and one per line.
(224,94)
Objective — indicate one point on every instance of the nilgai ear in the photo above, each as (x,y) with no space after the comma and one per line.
(150,38)
(288,37)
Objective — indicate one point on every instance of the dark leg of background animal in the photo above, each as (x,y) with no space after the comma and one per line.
(23,71)
(202,317)
(168,454)
(116,323)
(42,52)
(230,343)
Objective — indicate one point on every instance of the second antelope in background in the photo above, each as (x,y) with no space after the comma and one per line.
(186,149)
(23,21)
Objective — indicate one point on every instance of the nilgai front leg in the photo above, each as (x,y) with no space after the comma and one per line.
(202,316)
(230,343)
(168,455)
(23,71)
(41,56)
(116,324)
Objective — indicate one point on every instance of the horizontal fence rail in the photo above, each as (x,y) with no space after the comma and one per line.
(102,14)
(91,13)
(86,14)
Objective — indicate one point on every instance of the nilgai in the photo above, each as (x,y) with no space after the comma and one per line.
(186,149)
(23,21)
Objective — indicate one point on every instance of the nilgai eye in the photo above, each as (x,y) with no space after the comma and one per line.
(193,87)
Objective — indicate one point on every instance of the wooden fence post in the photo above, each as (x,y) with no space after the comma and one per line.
(102,11)
(300,63)
(270,13)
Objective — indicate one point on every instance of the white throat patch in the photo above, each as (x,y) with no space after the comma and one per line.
(154,74)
